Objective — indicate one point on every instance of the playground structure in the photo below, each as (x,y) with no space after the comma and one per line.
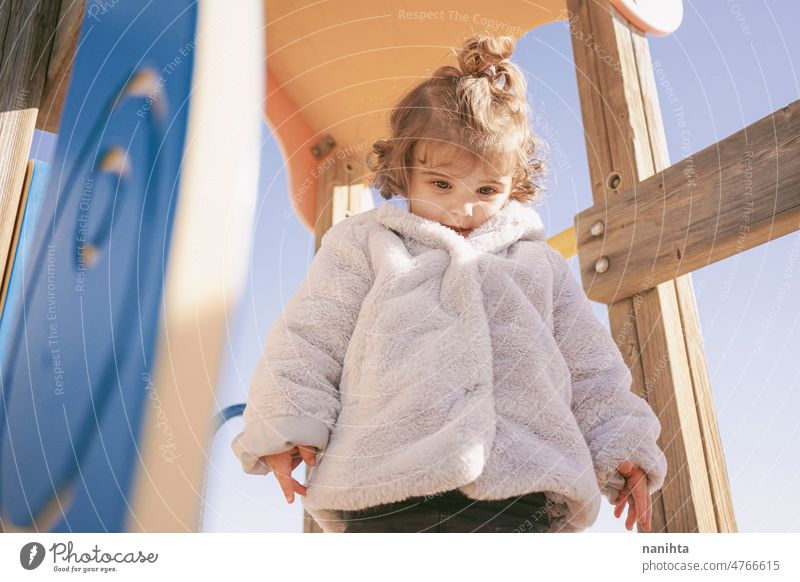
(332,71)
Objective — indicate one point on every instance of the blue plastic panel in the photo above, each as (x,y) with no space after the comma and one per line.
(79,335)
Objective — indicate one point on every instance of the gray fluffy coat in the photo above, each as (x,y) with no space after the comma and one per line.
(419,361)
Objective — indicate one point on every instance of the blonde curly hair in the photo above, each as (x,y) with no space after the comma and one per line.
(480,107)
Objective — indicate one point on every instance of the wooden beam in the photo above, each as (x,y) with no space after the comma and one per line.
(656,330)
(732,196)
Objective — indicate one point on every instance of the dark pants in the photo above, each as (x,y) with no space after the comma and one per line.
(452,511)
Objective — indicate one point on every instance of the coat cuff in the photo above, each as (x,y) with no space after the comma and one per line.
(650,459)
(276,435)
(613,486)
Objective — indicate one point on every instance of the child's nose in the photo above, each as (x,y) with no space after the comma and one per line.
(462,216)
(465,208)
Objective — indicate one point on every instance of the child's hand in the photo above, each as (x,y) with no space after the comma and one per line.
(282,465)
(635,494)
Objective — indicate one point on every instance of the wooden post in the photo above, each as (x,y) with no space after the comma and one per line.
(657,330)
(27,30)
(340,191)
(30,101)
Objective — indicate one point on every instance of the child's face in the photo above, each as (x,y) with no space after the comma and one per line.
(449,196)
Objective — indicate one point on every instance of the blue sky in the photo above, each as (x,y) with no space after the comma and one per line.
(728,65)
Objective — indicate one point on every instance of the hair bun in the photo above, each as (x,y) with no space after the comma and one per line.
(482,54)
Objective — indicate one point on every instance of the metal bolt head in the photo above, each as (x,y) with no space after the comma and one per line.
(613,181)
(598,228)
(601,265)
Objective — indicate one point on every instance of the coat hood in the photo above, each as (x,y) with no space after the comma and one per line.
(514,222)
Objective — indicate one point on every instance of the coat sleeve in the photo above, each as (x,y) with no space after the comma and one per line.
(294,394)
(617,424)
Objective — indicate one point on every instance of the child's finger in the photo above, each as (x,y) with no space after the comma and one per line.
(299,487)
(643,512)
(289,486)
(623,500)
(625,468)
(639,494)
(631,514)
(644,503)
(623,493)
(308,454)
(281,467)
(620,507)
(649,502)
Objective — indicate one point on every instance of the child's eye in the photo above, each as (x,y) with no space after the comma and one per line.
(443,185)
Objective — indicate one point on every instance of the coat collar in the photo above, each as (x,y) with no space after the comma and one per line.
(515,221)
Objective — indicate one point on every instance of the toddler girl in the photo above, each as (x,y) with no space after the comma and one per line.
(440,369)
